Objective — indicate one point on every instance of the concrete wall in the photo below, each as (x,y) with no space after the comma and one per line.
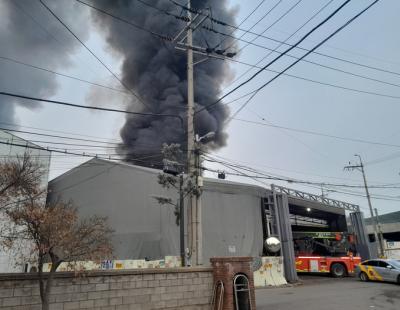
(180,288)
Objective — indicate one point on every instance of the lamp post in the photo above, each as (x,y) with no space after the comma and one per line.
(198,241)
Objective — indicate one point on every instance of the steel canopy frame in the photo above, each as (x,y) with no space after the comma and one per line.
(316,198)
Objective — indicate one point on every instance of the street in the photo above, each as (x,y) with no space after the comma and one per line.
(319,292)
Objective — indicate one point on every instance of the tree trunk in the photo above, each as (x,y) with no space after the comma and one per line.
(42,284)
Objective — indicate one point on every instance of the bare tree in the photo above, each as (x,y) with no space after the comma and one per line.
(45,233)
(57,235)
(19,179)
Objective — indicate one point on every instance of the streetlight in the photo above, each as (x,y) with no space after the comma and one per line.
(197,232)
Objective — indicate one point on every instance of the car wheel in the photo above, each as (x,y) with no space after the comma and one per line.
(398,279)
(363,277)
(338,270)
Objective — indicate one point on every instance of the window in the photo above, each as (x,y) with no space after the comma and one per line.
(373,263)
(383,264)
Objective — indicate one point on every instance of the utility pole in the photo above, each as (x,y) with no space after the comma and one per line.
(192,206)
(360,167)
(184,41)
(379,230)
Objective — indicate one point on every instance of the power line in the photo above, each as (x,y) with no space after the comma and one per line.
(257,22)
(241,23)
(318,133)
(277,58)
(93,54)
(60,74)
(56,131)
(261,175)
(294,171)
(273,24)
(160,36)
(100,156)
(63,46)
(289,75)
(287,44)
(309,52)
(91,107)
(280,44)
(73,139)
(57,136)
(295,57)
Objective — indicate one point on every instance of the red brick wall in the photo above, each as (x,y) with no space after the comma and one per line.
(225,269)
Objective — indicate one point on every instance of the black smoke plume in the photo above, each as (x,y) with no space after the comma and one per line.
(28,33)
(157,72)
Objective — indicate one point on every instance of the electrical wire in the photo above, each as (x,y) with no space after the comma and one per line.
(315,133)
(223,23)
(61,74)
(270,26)
(306,54)
(91,107)
(277,58)
(259,20)
(288,38)
(262,175)
(295,76)
(242,22)
(159,36)
(93,54)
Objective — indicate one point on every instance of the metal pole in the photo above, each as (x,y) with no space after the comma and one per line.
(181,221)
(190,138)
(379,231)
(199,232)
(370,206)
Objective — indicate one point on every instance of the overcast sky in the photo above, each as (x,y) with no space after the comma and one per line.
(372,40)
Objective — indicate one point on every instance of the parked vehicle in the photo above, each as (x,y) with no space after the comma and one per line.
(325,252)
(379,270)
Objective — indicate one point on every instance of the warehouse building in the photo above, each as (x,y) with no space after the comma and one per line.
(236,217)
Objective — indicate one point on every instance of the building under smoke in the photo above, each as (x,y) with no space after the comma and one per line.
(236,217)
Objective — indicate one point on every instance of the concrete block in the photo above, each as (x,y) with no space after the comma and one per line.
(84,304)
(115,301)
(22,291)
(102,287)
(30,300)
(71,305)
(148,277)
(101,302)
(6,292)
(57,306)
(160,276)
(11,301)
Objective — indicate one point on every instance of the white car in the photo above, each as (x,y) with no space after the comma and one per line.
(379,270)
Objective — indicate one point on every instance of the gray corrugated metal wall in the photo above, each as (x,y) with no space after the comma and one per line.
(124,193)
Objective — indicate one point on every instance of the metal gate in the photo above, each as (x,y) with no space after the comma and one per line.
(241,288)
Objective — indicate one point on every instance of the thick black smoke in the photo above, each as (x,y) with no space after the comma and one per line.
(157,72)
(28,33)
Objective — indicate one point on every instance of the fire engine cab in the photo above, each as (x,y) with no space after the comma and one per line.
(325,252)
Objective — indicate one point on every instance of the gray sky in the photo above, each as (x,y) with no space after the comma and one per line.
(372,39)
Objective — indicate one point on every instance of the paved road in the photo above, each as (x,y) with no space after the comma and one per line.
(330,294)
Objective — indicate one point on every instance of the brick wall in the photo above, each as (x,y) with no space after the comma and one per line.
(178,288)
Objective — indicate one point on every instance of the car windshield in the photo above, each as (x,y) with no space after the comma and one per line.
(395,263)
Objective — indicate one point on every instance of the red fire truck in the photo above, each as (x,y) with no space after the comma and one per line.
(325,252)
